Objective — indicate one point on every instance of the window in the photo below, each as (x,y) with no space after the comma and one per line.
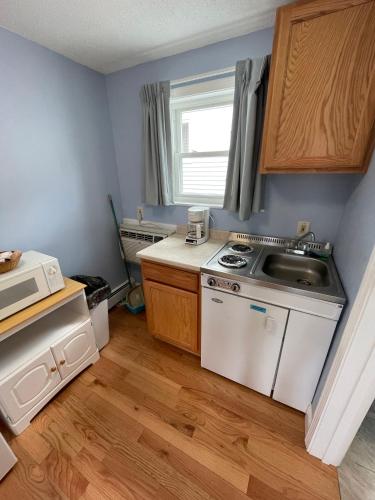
(201,124)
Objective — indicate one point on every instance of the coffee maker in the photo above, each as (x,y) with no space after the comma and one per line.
(197,226)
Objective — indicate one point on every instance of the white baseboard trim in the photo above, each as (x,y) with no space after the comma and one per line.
(118,294)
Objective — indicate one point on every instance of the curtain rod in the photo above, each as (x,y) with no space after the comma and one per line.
(201,76)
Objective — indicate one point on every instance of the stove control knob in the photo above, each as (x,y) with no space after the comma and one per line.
(235,287)
(211,282)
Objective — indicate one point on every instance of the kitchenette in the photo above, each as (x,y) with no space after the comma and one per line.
(187,254)
(259,310)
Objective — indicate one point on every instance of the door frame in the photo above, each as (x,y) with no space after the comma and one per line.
(350,386)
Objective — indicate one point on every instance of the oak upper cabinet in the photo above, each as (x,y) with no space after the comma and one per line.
(320,114)
(172,304)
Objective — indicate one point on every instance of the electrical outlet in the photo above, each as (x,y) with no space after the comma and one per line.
(303,227)
(140,213)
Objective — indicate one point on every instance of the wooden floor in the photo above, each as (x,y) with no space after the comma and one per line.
(147,422)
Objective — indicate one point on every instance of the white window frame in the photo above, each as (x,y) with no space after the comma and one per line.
(178,106)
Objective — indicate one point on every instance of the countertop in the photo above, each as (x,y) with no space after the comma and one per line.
(39,308)
(174,252)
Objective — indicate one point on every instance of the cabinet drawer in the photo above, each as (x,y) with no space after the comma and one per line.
(72,350)
(24,388)
(186,280)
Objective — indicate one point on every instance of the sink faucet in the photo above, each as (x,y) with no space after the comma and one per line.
(299,247)
(304,236)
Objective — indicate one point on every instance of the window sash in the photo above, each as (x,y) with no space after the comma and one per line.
(178,106)
(205,197)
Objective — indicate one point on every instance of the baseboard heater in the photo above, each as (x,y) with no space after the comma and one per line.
(117,294)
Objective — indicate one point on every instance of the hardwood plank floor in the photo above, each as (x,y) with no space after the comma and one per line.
(147,422)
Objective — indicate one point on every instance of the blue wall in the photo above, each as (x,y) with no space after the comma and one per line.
(57,159)
(289,198)
(354,244)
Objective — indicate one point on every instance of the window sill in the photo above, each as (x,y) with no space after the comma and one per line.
(196,204)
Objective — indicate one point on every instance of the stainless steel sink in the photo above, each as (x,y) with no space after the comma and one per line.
(305,275)
(297,269)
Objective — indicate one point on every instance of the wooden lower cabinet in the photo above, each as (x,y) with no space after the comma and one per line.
(172,313)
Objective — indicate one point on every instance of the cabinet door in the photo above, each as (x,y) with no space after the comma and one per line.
(74,349)
(172,314)
(306,344)
(320,114)
(23,389)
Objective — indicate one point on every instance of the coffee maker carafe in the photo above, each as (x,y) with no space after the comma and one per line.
(197,226)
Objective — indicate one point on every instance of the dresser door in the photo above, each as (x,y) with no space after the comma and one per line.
(71,351)
(23,389)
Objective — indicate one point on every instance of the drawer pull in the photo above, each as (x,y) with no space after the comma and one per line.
(53,369)
(62,362)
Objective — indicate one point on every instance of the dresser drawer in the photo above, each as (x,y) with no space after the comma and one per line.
(186,280)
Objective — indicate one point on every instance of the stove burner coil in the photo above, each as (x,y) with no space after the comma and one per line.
(230,260)
(241,248)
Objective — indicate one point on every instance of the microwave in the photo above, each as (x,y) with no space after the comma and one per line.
(36,276)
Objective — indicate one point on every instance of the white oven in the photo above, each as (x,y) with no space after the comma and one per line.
(36,276)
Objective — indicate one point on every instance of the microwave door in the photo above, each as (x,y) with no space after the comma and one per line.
(22,290)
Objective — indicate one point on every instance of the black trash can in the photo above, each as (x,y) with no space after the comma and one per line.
(97,292)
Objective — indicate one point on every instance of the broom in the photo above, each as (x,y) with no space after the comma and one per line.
(134,299)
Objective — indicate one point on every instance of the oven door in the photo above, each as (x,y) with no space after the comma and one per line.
(22,290)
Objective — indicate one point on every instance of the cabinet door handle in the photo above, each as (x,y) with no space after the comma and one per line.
(62,362)
(53,369)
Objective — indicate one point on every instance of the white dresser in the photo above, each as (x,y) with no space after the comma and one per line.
(42,348)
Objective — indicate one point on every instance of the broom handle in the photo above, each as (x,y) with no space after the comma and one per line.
(119,238)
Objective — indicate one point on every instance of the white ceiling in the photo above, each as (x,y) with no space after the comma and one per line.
(108,35)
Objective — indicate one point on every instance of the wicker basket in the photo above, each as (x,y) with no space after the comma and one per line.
(10,264)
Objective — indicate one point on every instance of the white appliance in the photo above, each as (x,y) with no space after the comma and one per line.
(263,335)
(36,276)
(271,341)
(7,457)
(198,225)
